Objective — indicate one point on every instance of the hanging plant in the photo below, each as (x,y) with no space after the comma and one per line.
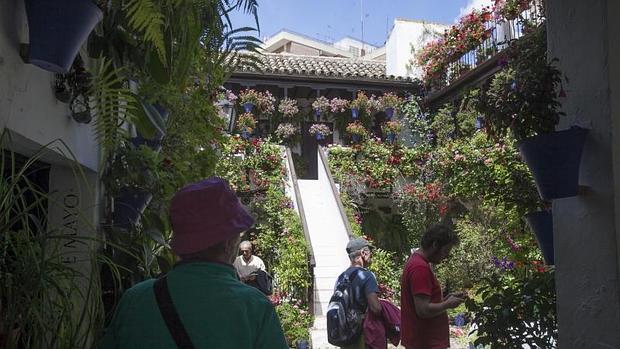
(248,99)
(286,131)
(390,102)
(288,107)
(357,131)
(338,105)
(321,105)
(360,103)
(320,131)
(246,124)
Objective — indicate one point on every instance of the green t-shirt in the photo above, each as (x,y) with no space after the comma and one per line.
(216,309)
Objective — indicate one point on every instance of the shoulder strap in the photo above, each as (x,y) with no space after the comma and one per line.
(170,315)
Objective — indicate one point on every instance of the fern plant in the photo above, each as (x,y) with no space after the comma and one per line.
(113,105)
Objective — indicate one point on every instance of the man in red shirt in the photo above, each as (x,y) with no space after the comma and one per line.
(423,308)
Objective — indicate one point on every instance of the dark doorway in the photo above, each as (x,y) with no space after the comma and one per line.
(310,145)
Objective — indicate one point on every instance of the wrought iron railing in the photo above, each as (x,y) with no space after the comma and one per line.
(500,33)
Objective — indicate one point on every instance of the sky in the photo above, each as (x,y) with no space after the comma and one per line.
(330,20)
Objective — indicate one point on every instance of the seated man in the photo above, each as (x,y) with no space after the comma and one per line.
(248,264)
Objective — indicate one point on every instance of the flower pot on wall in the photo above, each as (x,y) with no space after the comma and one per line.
(57,30)
(355,138)
(319,137)
(390,138)
(155,142)
(128,206)
(248,107)
(554,160)
(354,113)
(541,223)
(389,112)
(317,114)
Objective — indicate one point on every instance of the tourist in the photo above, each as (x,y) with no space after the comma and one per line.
(363,287)
(247,264)
(206,305)
(423,307)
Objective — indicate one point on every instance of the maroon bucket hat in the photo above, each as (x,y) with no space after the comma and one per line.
(206,213)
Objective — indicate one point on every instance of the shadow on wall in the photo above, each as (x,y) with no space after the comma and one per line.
(12,20)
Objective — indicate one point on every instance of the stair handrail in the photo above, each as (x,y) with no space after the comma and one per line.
(300,207)
(343,212)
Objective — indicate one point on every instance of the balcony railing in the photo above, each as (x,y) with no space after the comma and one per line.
(501,33)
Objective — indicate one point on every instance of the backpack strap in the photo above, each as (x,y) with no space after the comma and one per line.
(170,315)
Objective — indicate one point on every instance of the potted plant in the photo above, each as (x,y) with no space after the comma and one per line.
(286,131)
(357,131)
(338,105)
(130,180)
(288,107)
(320,131)
(248,99)
(246,124)
(57,30)
(321,105)
(266,103)
(390,102)
(391,130)
(541,223)
(359,103)
(523,98)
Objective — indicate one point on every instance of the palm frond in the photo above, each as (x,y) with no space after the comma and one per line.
(145,17)
(113,104)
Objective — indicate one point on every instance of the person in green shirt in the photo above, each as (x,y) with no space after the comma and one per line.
(215,309)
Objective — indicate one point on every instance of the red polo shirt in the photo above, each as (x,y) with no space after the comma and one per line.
(418,333)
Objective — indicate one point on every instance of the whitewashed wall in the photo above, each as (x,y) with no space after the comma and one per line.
(403,36)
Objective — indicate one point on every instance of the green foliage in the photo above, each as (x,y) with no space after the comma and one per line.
(386,268)
(516,309)
(47,301)
(295,321)
(114,105)
(444,125)
(524,97)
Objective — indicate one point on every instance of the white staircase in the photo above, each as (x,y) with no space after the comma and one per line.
(328,237)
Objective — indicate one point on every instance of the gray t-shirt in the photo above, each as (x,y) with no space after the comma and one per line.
(364,283)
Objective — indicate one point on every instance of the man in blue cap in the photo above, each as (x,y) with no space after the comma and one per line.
(363,287)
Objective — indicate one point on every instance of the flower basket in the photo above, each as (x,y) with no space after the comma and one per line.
(390,102)
(57,29)
(355,113)
(554,160)
(357,131)
(541,223)
(361,102)
(128,206)
(246,124)
(249,99)
(288,107)
(319,131)
(320,105)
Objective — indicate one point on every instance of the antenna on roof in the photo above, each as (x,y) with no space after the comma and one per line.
(362,19)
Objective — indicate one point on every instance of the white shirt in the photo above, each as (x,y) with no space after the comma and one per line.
(245,269)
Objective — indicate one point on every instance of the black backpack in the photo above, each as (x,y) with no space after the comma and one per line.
(344,320)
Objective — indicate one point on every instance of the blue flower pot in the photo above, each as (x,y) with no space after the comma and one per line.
(155,142)
(317,114)
(389,113)
(302,344)
(554,160)
(319,137)
(57,30)
(479,123)
(354,113)
(245,134)
(128,207)
(355,138)
(390,138)
(247,107)
(541,223)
